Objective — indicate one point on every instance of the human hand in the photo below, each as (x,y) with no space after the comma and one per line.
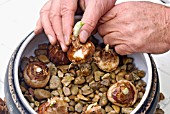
(137,27)
(57,19)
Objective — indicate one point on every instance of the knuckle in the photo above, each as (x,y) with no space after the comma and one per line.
(123,50)
(42,11)
(66,11)
(53,13)
(91,24)
(136,45)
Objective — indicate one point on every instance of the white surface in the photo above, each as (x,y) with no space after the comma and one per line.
(17,20)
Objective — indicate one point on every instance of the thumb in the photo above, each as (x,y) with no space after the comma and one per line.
(90,18)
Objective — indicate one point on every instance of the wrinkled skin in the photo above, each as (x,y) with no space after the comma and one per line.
(137,27)
(57,19)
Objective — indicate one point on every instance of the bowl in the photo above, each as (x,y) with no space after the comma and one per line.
(26,49)
(141,60)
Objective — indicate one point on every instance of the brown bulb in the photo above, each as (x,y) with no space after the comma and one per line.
(57,56)
(80,53)
(106,59)
(55,105)
(36,74)
(123,93)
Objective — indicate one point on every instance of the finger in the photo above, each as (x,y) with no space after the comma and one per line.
(39,28)
(109,26)
(45,21)
(114,38)
(68,9)
(110,14)
(48,28)
(90,18)
(56,22)
(93,12)
(122,49)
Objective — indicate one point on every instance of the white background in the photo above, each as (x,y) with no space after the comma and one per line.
(18,19)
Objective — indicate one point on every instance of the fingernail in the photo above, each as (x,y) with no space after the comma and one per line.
(83,36)
(51,39)
(63,46)
(67,40)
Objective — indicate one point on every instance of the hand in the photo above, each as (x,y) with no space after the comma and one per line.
(57,19)
(137,27)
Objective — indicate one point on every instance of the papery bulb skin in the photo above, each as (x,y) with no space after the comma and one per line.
(123,93)
(36,74)
(106,59)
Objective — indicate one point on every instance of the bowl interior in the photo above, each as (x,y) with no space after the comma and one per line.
(141,60)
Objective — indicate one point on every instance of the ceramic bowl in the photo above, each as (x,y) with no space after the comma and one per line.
(31,42)
(141,60)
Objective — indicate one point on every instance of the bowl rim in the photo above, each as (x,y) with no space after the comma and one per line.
(149,65)
(16,65)
(25,102)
